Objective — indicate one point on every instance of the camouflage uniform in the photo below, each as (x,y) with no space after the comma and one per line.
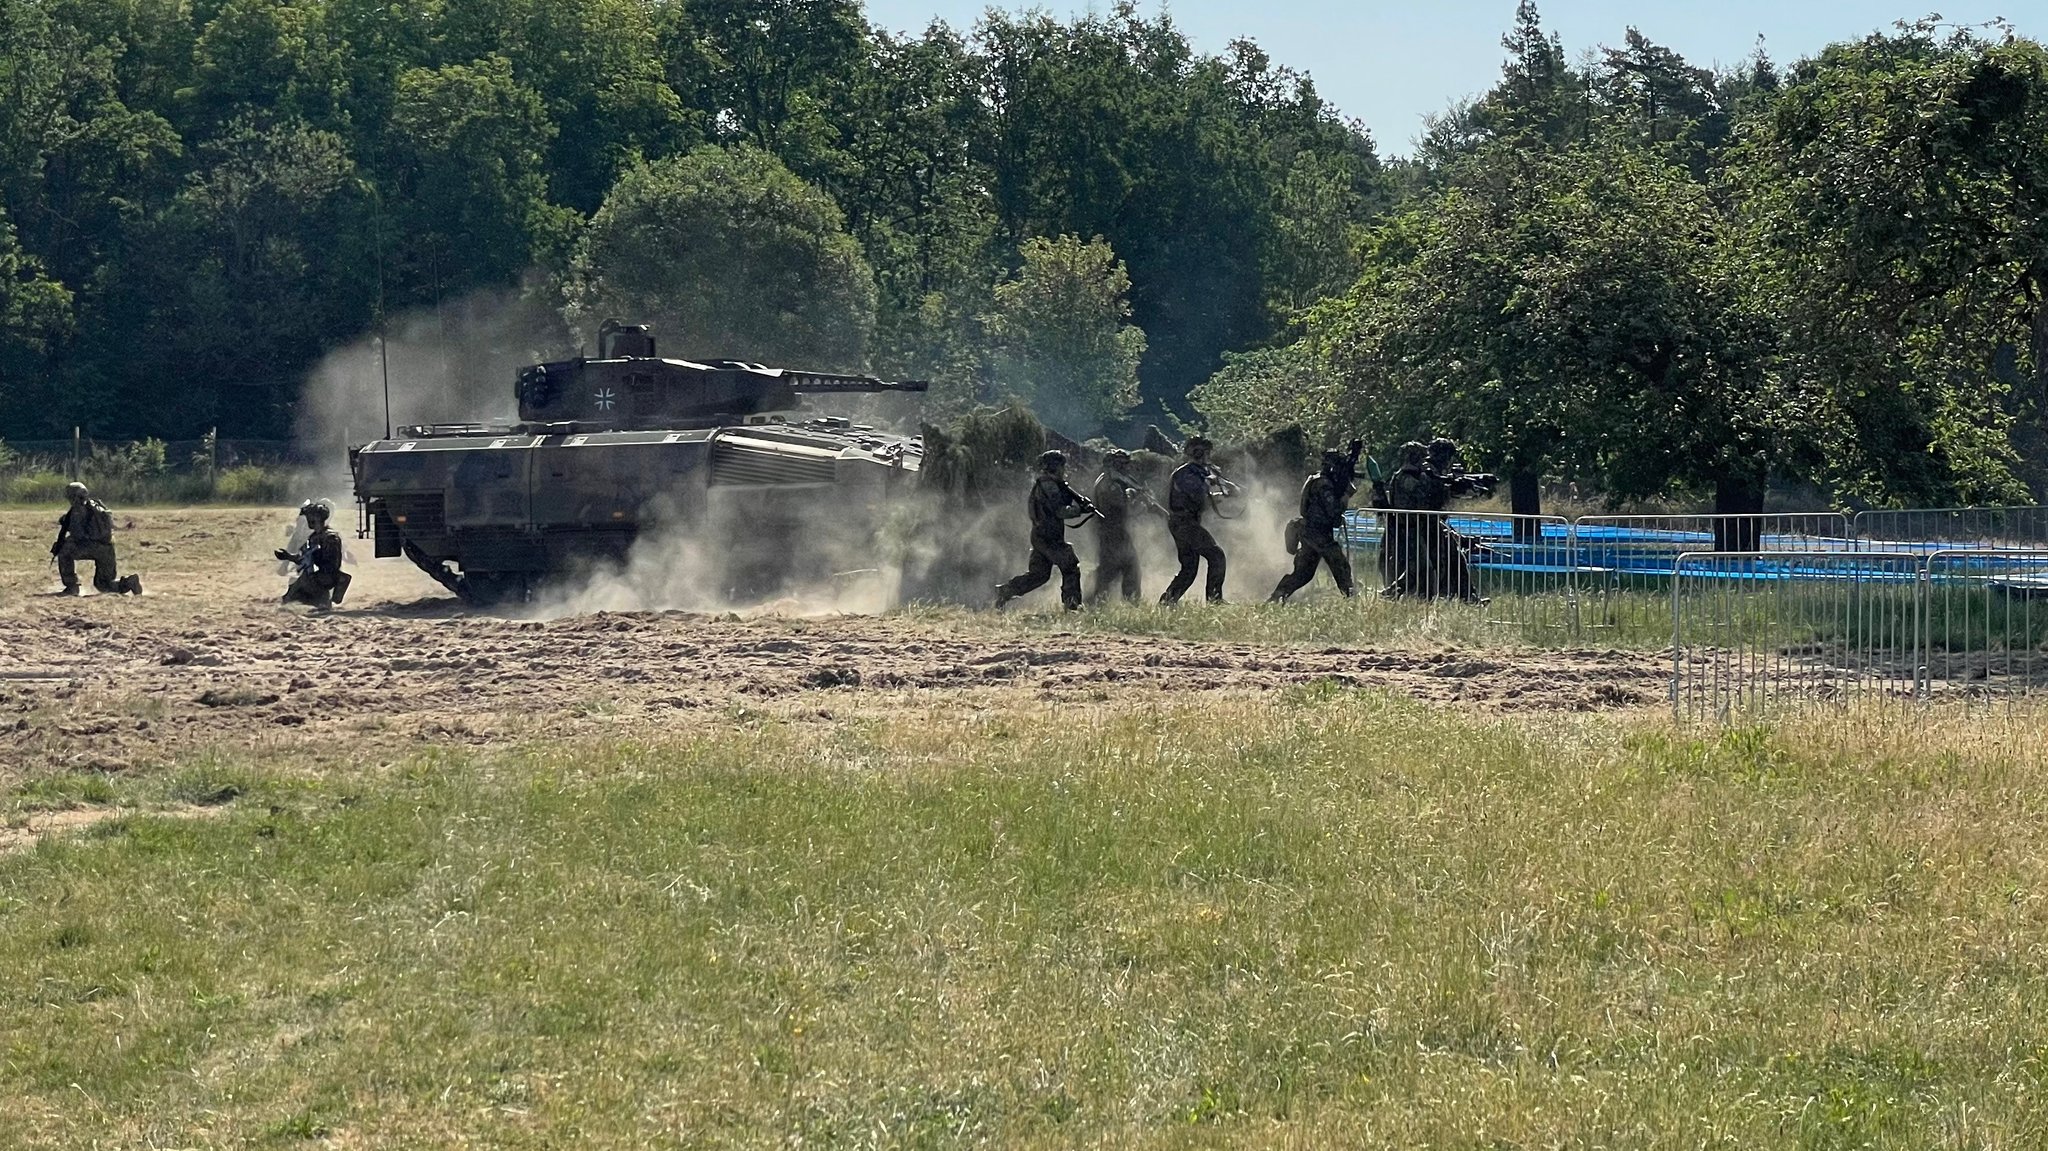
(320,581)
(1450,566)
(1406,551)
(86,532)
(1050,498)
(1187,498)
(1323,499)
(1116,557)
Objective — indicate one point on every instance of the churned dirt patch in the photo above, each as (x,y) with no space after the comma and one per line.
(207,657)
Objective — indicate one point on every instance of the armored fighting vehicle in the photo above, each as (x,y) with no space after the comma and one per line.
(610,448)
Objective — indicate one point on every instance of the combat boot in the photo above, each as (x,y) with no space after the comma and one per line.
(129,585)
(1003,595)
(70,589)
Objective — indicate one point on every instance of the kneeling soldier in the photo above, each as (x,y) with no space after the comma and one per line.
(86,532)
(320,580)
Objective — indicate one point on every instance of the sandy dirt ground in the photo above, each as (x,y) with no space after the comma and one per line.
(207,658)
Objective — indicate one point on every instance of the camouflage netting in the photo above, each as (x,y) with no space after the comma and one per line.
(979,458)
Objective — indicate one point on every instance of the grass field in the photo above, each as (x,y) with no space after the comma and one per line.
(1317,917)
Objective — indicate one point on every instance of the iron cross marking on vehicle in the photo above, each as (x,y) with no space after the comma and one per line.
(605,398)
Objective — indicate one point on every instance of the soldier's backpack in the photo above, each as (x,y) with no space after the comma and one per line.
(1293,535)
(98,527)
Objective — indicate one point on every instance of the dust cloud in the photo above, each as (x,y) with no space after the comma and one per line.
(734,558)
(454,363)
(744,553)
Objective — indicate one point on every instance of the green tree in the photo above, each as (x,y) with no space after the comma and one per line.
(1114,126)
(1062,334)
(34,314)
(1319,220)
(779,72)
(596,67)
(234,281)
(915,196)
(265,57)
(1260,392)
(1657,99)
(729,254)
(1569,311)
(1539,102)
(1892,197)
(468,184)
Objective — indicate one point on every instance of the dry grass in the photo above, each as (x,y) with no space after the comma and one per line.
(1321,918)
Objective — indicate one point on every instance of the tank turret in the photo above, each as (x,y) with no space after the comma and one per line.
(627,386)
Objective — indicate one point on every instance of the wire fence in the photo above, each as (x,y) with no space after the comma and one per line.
(151,471)
(73,457)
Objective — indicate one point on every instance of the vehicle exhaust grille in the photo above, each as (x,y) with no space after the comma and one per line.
(741,461)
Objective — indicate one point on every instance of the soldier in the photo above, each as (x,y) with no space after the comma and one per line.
(320,581)
(1323,499)
(86,531)
(1193,486)
(1050,499)
(1116,557)
(1450,567)
(1443,464)
(1404,551)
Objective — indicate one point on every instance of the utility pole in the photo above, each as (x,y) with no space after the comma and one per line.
(383,358)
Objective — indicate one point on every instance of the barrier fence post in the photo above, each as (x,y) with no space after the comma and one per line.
(1677,649)
(1923,657)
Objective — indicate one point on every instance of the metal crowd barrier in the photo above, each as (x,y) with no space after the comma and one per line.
(1517,571)
(1986,614)
(1751,630)
(1931,529)
(1763,630)
(1627,564)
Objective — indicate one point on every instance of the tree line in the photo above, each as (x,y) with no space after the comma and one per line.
(200,199)
(1621,269)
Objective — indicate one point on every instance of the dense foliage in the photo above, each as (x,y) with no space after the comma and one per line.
(197,200)
(1618,268)
(1657,281)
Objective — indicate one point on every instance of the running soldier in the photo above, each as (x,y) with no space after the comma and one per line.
(319,582)
(86,532)
(1193,486)
(1323,499)
(1050,498)
(1116,557)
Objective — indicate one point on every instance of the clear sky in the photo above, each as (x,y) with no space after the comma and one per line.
(1390,64)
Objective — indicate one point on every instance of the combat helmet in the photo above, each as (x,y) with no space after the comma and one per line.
(316,509)
(77,491)
(1414,454)
(1052,461)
